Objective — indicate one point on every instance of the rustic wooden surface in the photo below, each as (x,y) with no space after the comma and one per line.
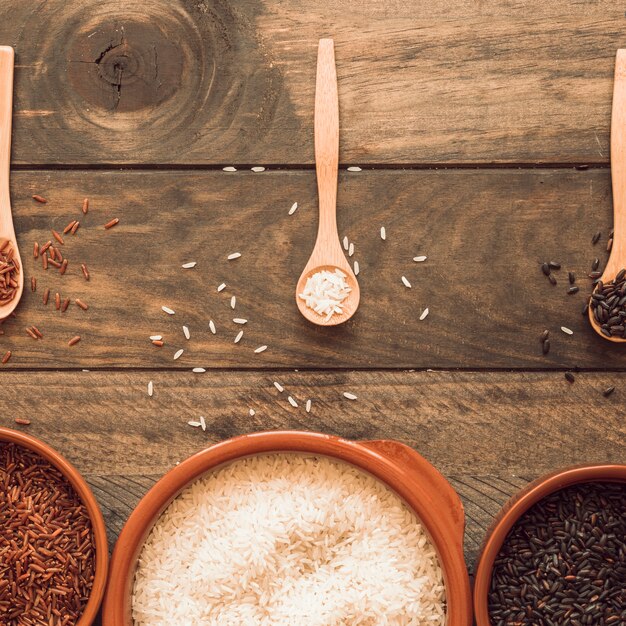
(447,106)
(212,81)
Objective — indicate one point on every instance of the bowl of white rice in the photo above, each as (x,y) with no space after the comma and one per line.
(293,529)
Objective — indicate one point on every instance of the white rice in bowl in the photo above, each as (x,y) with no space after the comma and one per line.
(288,539)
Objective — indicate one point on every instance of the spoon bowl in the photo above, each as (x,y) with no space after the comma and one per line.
(327,253)
(617,259)
(7,230)
(348,306)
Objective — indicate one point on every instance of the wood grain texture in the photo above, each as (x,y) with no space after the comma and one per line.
(211,81)
(489,433)
(485,234)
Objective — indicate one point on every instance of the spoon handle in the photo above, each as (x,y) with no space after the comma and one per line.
(6,111)
(618,163)
(327,142)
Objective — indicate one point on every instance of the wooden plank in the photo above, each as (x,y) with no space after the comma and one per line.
(489,433)
(485,234)
(219,82)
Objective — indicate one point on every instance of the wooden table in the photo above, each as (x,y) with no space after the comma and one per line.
(482,131)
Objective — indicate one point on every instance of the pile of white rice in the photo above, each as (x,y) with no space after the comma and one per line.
(325,291)
(288,539)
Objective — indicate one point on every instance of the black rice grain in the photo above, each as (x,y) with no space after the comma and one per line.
(564,561)
(608,303)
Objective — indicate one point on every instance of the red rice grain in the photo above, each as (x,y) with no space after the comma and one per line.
(47,545)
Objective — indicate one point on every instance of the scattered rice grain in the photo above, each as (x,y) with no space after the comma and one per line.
(292,402)
(167,310)
(178,354)
(239,336)
(406,282)
(293,208)
(189,265)
(186,332)
(260,349)
(349,396)
(424,314)
(383,233)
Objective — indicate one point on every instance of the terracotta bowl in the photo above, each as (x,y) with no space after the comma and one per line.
(417,482)
(89,500)
(516,507)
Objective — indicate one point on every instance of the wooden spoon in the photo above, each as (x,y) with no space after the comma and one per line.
(327,253)
(7,231)
(617,260)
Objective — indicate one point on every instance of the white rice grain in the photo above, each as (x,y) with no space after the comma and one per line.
(307,408)
(383,233)
(567,331)
(150,389)
(167,310)
(202,423)
(239,336)
(425,312)
(279,387)
(346,244)
(351,249)
(186,332)
(233,256)
(287,540)
(292,402)
(221,287)
(354,168)
(229,168)
(178,354)
(251,412)
(198,370)
(356,268)
(258,168)
(240,320)
(233,302)
(156,337)
(260,349)
(406,282)
(293,208)
(212,326)
(188,266)
(419,259)
(349,396)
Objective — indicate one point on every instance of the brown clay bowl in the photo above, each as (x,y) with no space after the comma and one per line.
(89,500)
(417,482)
(516,507)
